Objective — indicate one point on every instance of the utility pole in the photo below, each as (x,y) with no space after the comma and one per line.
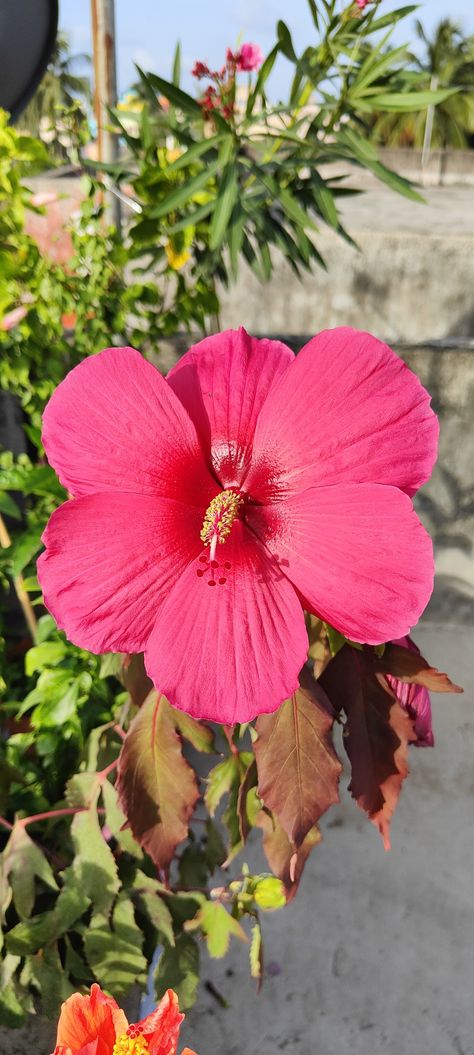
(105,91)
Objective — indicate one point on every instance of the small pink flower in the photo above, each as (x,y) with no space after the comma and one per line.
(200,70)
(362,4)
(12,318)
(414,699)
(250,57)
(210,508)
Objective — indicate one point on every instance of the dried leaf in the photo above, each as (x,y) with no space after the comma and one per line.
(411,668)
(284,859)
(376,737)
(298,769)
(157,789)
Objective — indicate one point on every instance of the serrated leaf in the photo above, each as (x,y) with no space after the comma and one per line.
(412,669)
(149,896)
(113,947)
(41,930)
(298,769)
(21,863)
(256,954)
(219,782)
(201,736)
(82,790)
(178,969)
(44,972)
(284,859)
(377,734)
(115,820)
(94,864)
(157,789)
(218,926)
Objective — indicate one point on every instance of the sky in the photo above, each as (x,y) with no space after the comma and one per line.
(147,30)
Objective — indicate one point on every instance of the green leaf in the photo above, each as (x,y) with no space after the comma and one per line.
(21,863)
(111,664)
(263,75)
(178,197)
(44,972)
(12,1012)
(157,788)
(171,92)
(23,549)
(113,947)
(116,820)
(219,782)
(94,864)
(226,198)
(176,74)
(401,102)
(178,969)
(285,41)
(149,896)
(8,507)
(218,926)
(256,954)
(33,934)
(201,736)
(49,654)
(194,152)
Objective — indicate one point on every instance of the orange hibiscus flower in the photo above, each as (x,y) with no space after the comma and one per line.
(96,1025)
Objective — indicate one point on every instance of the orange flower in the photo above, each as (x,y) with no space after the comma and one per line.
(95,1025)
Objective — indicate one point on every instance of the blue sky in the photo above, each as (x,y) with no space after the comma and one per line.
(147,30)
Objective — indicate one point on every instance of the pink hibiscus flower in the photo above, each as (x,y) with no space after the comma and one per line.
(210,507)
(414,699)
(249,57)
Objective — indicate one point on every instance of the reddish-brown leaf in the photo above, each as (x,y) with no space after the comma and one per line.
(376,737)
(413,669)
(135,678)
(157,788)
(298,769)
(284,859)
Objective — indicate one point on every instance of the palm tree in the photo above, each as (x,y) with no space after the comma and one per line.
(60,90)
(447,62)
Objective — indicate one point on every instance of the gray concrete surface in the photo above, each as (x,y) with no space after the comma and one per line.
(376,954)
(411,281)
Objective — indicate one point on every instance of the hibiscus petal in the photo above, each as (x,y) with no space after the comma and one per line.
(414,699)
(223,382)
(357,553)
(234,649)
(84,1019)
(114,424)
(161,1028)
(109,561)
(348,410)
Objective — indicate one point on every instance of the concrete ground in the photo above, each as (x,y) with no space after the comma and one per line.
(376,954)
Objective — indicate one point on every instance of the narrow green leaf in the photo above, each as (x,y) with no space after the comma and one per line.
(176,74)
(184,192)
(175,95)
(226,198)
(256,953)
(263,75)
(401,102)
(285,41)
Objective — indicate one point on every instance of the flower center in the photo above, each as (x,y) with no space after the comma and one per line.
(220,516)
(126,1045)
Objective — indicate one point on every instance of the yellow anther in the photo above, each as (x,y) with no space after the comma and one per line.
(220,516)
(126,1045)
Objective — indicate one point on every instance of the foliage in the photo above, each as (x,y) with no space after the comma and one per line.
(251,177)
(447,61)
(123,820)
(57,113)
